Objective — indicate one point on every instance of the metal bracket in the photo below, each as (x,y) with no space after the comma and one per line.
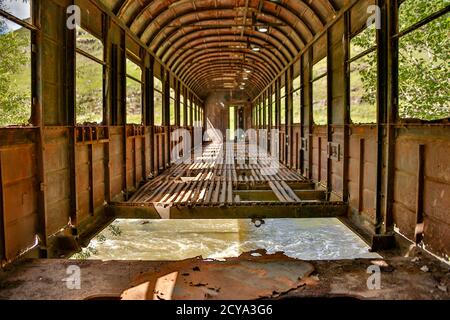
(334,151)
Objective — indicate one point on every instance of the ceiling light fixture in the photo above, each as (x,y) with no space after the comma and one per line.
(256,48)
(262,28)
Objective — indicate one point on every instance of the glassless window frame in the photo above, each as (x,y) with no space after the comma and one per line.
(296,100)
(172,101)
(96,60)
(358,57)
(157,90)
(31,28)
(129,77)
(414,27)
(274,107)
(283,101)
(314,81)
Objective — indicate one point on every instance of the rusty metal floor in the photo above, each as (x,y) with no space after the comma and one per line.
(242,185)
(250,276)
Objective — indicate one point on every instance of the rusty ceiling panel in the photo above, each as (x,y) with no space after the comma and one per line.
(201,39)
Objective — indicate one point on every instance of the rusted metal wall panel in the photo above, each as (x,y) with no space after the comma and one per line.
(83,183)
(337,165)
(90,171)
(116,161)
(19,185)
(319,152)
(57,170)
(436,186)
(362,172)
(296,146)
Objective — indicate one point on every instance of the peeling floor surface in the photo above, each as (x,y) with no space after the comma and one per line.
(253,275)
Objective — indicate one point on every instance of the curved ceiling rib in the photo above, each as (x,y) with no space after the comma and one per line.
(273,39)
(200,21)
(233,42)
(219,25)
(210,43)
(213,66)
(258,60)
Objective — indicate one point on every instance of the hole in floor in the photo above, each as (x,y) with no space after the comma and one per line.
(171,240)
(255,196)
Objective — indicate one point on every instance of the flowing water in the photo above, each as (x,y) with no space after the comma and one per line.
(306,239)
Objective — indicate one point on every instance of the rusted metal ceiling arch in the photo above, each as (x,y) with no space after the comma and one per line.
(206,72)
(266,62)
(270,40)
(208,13)
(190,72)
(219,54)
(157,7)
(214,25)
(239,62)
(227,67)
(204,87)
(199,44)
(232,67)
(312,20)
(271,64)
(275,37)
(223,46)
(202,24)
(151,21)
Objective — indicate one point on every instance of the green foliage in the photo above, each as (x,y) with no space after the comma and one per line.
(15,94)
(424,67)
(89,79)
(115,230)
(90,250)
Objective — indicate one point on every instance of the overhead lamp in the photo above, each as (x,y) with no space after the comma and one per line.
(262,28)
(242,88)
(256,48)
(247,71)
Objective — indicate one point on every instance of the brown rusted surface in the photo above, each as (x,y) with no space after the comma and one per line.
(242,279)
(189,36)
(260,276)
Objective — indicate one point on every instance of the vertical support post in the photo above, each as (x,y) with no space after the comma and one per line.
(302,114)
(107,84)
(346,70)
(330,121)
(122,57)
(387,99)
(91,177)
(289,131)
(418,233)
(151,112)
(70,90)
(2,216)
(310,113)
(319,159)
(361,175)
(39,122)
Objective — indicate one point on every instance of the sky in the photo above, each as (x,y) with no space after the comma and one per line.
(18,8)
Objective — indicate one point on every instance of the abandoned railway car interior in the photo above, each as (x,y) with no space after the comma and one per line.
(224,149)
